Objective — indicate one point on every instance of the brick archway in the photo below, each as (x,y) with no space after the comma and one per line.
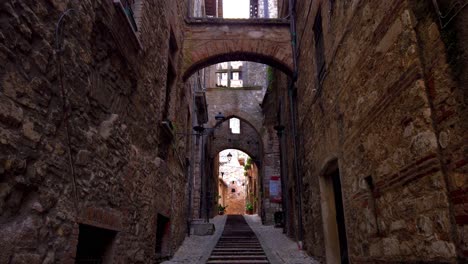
(211,41)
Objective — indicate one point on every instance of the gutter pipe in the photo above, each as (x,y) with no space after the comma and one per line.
(292,14)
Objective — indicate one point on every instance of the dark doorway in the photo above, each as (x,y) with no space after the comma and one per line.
(163,227)
(94,245)
(340,219)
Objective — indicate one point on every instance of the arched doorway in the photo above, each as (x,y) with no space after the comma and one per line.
(238,188)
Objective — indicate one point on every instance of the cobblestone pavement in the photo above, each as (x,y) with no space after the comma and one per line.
(197,249)
(279,248)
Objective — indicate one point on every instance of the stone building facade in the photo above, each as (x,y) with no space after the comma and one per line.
(364,119)
(85,155)
(375,131)
(244,104)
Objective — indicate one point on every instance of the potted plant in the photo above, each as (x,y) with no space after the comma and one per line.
(221,209)
(249,208)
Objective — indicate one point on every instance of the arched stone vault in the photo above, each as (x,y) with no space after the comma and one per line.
(210,41)
(235,103)
(248,141)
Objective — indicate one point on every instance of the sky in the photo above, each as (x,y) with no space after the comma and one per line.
(236,8)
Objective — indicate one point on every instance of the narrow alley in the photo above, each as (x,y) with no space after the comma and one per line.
(234,244)
(233,131)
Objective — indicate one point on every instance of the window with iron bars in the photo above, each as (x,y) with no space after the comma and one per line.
(319,47)
(253,8)
(128,7)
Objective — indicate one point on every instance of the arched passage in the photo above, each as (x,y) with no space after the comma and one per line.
(212,41)
(245,139)
(248,140)
(234,185)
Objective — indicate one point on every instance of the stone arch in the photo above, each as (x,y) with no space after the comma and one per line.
(243,117)
(243,150)
(212,41)
(249,141)
(250,113)
(234,56)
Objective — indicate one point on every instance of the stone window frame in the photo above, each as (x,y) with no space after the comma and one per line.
(136,7)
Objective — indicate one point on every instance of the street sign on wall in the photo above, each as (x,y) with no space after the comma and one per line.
(275,189)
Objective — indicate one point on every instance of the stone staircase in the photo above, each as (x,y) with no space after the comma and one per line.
(238,244)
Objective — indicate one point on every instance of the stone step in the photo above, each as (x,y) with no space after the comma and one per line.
(239,253)
(238,244)
(230,257)
(238,248)
(243,249)
(238,262)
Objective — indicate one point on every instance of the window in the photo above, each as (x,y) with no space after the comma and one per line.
(233,190)
(128,6)
(171,73)
(171,78)
(234,125)
(224,76)
(94,245)
(125,26)
(319,47)
(253,8)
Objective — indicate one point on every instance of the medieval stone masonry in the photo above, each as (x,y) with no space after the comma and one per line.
(348,120)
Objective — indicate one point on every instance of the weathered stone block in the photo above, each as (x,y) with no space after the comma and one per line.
(202,229)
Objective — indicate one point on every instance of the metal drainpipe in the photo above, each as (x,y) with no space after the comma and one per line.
(266,13)
(292,12)
(284,172)
(202,177)
(192,163)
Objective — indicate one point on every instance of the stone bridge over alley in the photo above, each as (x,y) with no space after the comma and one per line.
(213,40)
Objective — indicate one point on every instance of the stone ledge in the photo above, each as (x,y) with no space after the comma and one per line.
(249,88)
(237,21)
(199,228)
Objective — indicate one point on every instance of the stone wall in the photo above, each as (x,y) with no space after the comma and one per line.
(255,74)
(271,156)
(391,115)
(279,151)
(80,133)
(248,140)
(243,103)
(445,54)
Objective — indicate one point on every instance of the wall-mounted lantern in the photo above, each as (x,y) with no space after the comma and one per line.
(219,117)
